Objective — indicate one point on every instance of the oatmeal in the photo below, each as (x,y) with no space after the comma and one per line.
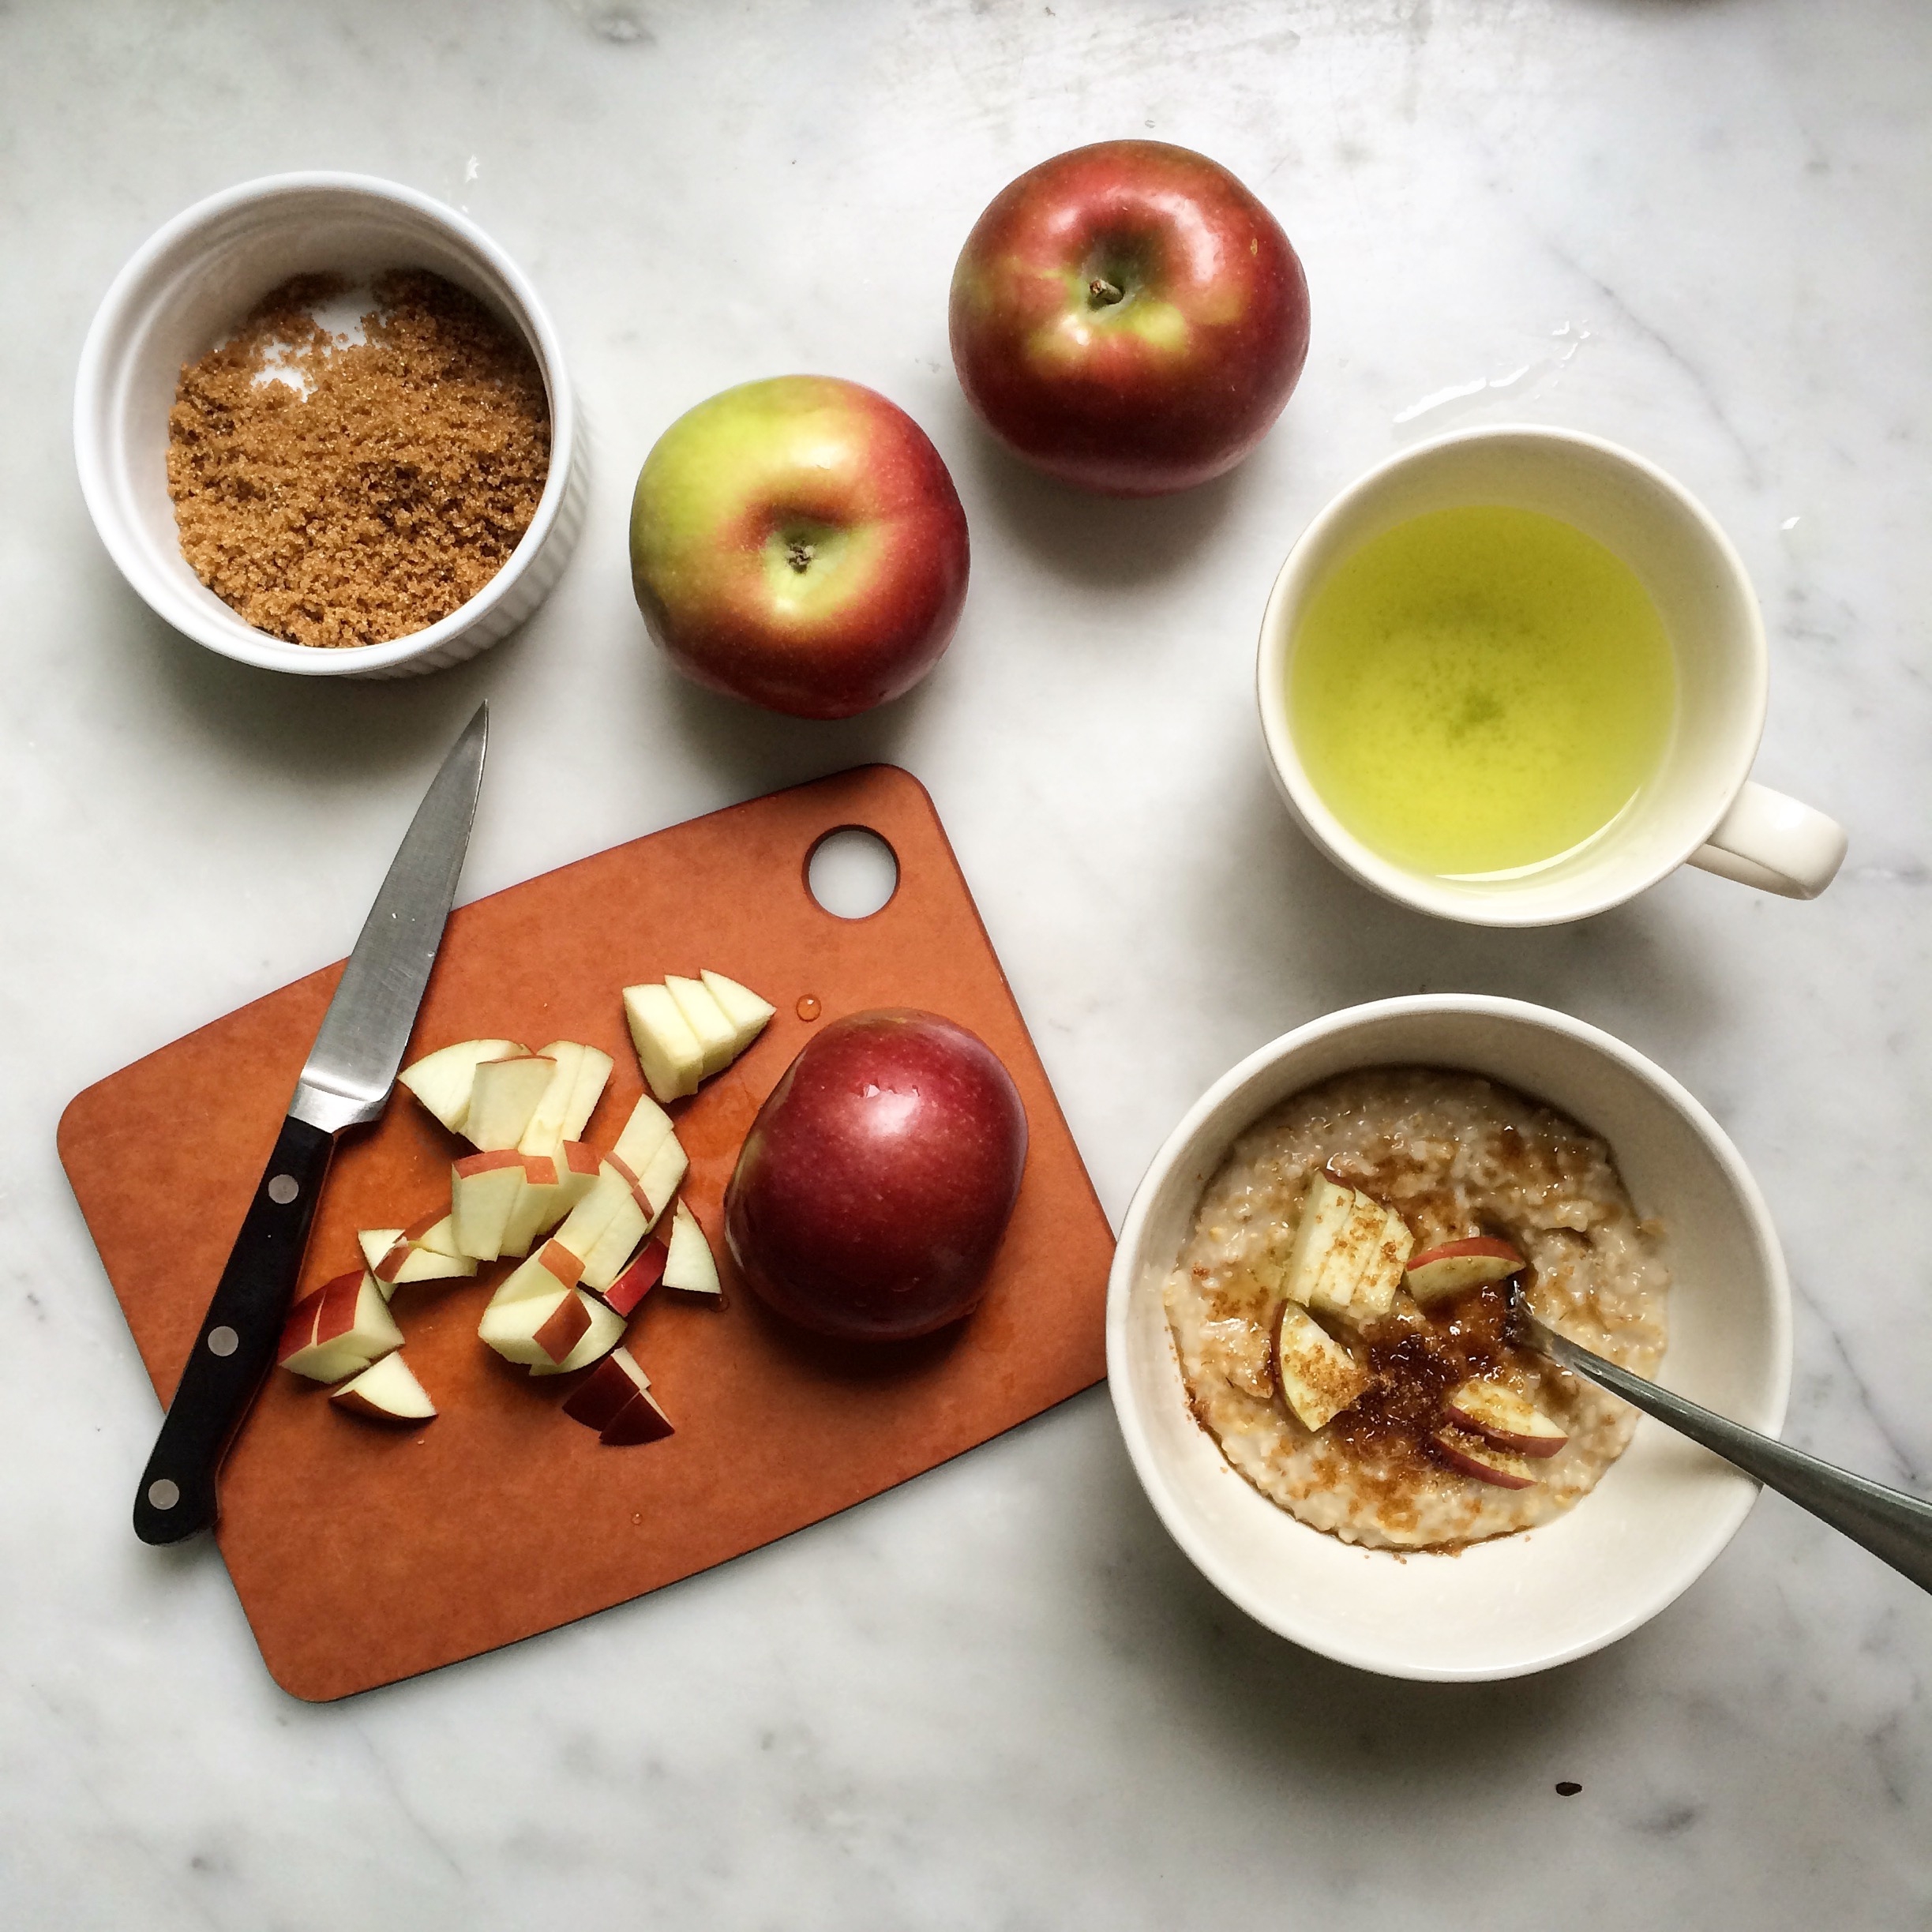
(1392,1203)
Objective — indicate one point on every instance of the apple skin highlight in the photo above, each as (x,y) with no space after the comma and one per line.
(798,543)
(1129,318)
(874,1187)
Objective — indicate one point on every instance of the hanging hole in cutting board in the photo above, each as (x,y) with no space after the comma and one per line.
(852,872)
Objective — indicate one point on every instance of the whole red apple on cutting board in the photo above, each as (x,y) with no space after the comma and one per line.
(877,1179)
(1129,318)
(798,543)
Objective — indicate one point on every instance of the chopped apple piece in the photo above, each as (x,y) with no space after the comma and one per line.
(536,1328)
(595,1212)
(1495,1410)
(598,1399)
(386,1391)
(483,1188)
(689,1267)
(1472,1456)
(505,1097)
(1375,1293)
(743,1007)
(1325,1208)
(1317,1376)
(602,1330)
(1438,1273)
(658,1182)
(539,1204)
(1347,1257)
(667,1049)
(553,1266)
(639,1279)
(644,1133)
(617,1241)
(569,1100)
(615,1400)
(339,1330)
(717,1037)
(375,1243)
(436,1231)
(442,1080)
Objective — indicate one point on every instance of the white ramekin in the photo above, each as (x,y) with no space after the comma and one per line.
(1663,1510)
(188,285)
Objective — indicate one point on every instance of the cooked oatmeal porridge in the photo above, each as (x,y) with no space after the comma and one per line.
(1314,1284)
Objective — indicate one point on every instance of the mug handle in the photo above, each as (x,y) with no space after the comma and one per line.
(1773,842)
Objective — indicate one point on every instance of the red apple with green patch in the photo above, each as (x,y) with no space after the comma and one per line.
(797,542)
(1129,318)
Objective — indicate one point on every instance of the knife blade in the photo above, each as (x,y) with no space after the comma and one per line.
(345,1081)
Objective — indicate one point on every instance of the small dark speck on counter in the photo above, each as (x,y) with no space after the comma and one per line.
(1566,1788)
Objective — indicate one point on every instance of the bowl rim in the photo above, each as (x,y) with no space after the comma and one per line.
(1417,889)
(1728,1514)
(231,635)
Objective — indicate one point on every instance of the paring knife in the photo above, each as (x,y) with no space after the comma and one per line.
(350,1069)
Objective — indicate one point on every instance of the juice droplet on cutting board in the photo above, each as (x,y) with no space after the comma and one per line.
(1480,690)
(808,1008)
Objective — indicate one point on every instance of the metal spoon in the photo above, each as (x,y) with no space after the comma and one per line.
(1895,1527)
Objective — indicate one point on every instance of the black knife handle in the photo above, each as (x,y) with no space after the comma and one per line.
(238,1340)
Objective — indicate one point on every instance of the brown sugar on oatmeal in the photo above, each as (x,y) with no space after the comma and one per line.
(336,493)
(1458,1158)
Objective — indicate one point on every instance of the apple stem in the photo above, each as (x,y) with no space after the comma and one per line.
(1102,293)
(798,554)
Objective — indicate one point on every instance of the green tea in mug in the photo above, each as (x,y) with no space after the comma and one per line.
(1479,692)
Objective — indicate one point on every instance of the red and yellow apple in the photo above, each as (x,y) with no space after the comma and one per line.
(797,542)
(878,1178)
(1129,318)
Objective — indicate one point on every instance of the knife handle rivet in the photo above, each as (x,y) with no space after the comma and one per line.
(283,1189)
(223,1341)
(163,1493)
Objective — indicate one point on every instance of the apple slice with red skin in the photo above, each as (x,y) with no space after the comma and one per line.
(1438,1273)
(615,1400)
(396,1260)
(639,1279)
(1493,1410)
(532,1330)
(1470,1453)
(505,1097)
(602,1329)
(339,1330)
(689,1267)
(386,1391)
(483,1188)
(1317,1376)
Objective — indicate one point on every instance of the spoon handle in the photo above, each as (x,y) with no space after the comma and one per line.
(1895,1527)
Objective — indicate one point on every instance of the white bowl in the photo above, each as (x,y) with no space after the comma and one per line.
(188,286)
(1662,1511)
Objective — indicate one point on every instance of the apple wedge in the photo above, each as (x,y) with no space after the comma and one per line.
(1326,1208)
(483,1188)
(538,1205)
(339,1329)
(442,1080)
(689,1267)
(1495,1410)
(615,1400)
(1472,1456)
(647,1130)
(1317,1376)
(1375,1292)
(504,1098)
(396,1260)
(717,1039)
(1438,1273)
(568,1100)
(639,1279)
(536,1328)
(1346,1261)
(747,1013)
(553,1266)
(386,1391)
(667,1049)
(602,1331)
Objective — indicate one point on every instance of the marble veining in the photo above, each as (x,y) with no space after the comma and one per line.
(999,1698)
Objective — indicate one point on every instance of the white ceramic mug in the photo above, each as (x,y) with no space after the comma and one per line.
(1702,805)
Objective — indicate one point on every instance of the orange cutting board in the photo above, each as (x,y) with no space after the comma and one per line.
(364,1552)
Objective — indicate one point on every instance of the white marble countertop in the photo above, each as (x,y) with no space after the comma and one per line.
(998,1697)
